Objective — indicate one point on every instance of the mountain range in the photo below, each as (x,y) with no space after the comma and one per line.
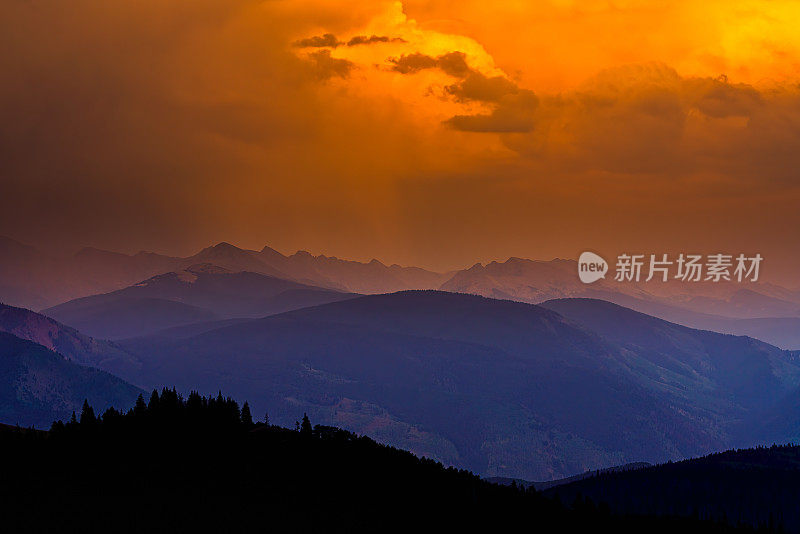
(512,369)
(34,280)
(500,387)
(764,311)
(196,294)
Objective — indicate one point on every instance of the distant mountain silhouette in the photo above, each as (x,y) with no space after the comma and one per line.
(756,374)
(232,259)
(783,332)
(535,281)
(35,280)
(521,279)
(32,279)
(371,277)
(27,277)
(502,388)
(199,293)
(746,303)
(767,312)
(39,386)
(73,345)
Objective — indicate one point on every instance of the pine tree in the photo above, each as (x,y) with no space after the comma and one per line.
(111,416)
(152,406)
(140,408)
(247,418)
(57,426)
(87,414)
(305,426)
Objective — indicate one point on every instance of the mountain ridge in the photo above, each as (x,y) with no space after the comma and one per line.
(39,385)
(511,387)
(199,293)
(763,310)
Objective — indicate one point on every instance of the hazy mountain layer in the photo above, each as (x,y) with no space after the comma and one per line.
(39,386)
(36,280)
(503,388)
(32,279)
(197,294)
(62,339)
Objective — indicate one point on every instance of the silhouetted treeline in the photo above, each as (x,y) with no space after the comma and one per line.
(758,486)
(201,464)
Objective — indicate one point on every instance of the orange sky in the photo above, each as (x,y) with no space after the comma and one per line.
(429,133)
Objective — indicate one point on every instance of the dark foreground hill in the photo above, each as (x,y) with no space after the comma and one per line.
(758,486)
(201,465)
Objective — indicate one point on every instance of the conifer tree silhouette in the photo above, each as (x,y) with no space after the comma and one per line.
(196,439)
(305,426)
(140,407)
(247,418)
(87,414)
(153,404)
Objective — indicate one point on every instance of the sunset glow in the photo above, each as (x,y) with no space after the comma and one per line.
(400,265)
(428,133)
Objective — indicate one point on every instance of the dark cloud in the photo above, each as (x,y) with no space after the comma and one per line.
(498,121)
(411,63)
(329,40)
(477,86)
(326,66)
(318,41)
(647,119)
(514,112)
(718,98)
(373,39)
(513,107)
(452,63)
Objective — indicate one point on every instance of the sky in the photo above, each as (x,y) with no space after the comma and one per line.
(436,133)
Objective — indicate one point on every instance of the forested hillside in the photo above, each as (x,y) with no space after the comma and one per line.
(203,465)
(759,486)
